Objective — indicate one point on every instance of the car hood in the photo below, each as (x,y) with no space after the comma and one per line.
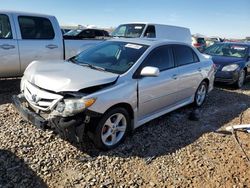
(60,76)
(221,60)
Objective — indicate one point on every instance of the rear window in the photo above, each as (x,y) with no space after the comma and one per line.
(35,28)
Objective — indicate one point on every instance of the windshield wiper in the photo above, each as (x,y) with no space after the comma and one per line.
(119,36)
(92,66)
(98,68)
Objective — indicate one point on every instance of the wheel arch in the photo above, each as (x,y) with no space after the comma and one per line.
(207,81)
(126,106)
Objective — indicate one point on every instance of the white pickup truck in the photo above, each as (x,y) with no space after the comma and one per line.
(25,37)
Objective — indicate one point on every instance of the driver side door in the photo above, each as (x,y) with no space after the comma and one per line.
(158,93)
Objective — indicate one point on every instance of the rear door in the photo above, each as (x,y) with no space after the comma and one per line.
(189,71)
(38,40)
(9,55)
(157,93)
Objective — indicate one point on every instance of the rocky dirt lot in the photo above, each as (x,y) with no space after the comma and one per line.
(171,151)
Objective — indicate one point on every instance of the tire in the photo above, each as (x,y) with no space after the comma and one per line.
(200,94)
(241,79)
(111,131)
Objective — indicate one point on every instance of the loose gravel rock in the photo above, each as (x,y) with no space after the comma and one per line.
(171,151)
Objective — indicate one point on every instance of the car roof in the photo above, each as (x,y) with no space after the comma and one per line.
(152,23)
(236,43)
(147,41)
(25,13)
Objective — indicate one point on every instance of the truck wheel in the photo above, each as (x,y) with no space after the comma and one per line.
(200,94)
(111,129)
(241,79)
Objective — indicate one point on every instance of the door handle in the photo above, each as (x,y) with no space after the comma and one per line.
(174,76)
(51,46)
(7,46)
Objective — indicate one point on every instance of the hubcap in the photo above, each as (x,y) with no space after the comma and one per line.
(241,79)
(114,129)
(201,94)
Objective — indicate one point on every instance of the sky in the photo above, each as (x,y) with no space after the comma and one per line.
(223,18)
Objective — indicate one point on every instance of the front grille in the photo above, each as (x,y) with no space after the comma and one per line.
(39,98)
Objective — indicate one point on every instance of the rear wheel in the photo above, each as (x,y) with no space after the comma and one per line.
(112,129)
(201,94)
(241,79)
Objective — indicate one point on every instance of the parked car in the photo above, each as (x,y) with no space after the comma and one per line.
(65,30)
(86,34)
(232,62)
(151,30)
(211,40)
(113,87)
(25,37)
(199,43)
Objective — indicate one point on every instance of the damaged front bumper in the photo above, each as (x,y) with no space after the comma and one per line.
(70,128)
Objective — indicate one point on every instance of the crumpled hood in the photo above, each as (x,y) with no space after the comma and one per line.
(59,76)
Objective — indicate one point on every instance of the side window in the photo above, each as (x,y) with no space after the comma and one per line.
(98,33)
(184,55)
(150,32)
(35,28)
(5,28)
(106,34)
(87,33)
(161,58)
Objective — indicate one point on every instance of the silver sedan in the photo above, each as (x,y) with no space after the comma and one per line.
(114,87)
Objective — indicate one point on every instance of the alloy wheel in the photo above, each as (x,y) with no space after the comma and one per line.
(201,94)
(114,129)
(241,79)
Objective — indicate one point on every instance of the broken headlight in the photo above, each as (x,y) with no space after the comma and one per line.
(71,107)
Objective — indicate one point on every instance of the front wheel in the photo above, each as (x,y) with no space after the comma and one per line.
(200,94)
(241,79)
(112,129)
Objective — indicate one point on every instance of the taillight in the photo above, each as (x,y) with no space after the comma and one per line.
(197,45)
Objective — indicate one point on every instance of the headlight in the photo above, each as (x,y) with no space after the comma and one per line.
(231,67)
(74,106)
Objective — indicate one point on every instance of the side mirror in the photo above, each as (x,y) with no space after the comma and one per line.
(150,71)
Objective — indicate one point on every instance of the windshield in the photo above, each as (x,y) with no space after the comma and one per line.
(73,32)
(227,50)
(129,30)
(112,56)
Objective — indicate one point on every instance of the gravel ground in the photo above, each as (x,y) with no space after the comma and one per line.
(170,151)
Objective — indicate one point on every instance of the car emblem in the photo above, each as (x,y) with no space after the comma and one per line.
(35,98)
